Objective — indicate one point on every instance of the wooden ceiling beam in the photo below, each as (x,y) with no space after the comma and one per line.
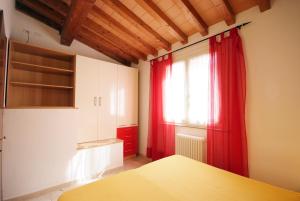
(32,13)
(2,27)
(98,39)
(43,10)
(157,11)
(229,15)
(68,2)
(57,5)
(100,48)
(101,15)
(114,39)
(132,17)
(76,16)
(264,5)
(192,12)
(225,9)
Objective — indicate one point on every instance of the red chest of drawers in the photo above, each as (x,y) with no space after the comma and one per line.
(129,135)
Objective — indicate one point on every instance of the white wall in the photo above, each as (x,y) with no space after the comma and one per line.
(1,135)
(144,83)
(38,150)
(16,23)
(7,6)
(273,68)
(273,96)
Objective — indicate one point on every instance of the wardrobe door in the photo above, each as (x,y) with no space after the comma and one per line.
(87,90)
(127,96)
(107,101)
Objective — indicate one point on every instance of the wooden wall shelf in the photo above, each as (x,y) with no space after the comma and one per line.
(42,107)
(38,77)
(26,84)
(40,68)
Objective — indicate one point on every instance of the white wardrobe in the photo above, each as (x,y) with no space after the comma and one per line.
(127,87)
(106,97)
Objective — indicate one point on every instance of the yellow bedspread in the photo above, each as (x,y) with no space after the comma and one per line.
(178,178)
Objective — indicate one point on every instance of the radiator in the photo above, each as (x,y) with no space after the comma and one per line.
(190,146)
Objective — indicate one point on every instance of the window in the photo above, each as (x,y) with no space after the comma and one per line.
(186,89)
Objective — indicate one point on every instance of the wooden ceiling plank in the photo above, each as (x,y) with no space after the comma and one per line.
(101,48)
(99,39)
(57,5)
(152,6)
(264,5)
(201,25)
(76,16)
(97,12)
(98,29)
(117,6)
(43,10)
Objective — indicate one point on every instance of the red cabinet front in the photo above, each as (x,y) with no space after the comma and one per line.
(129,135)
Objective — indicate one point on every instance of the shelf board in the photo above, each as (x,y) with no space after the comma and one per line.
(97,143)
(35,50)
(28,84)
(40,68)
(41,107)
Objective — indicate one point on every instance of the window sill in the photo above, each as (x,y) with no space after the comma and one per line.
(203,127)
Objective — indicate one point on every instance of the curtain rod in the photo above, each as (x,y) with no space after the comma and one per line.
(200,41)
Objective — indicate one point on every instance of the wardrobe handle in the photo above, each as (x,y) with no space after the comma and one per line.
(99,101)
(95,101)
(2,138)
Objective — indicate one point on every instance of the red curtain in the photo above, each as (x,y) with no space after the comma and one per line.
(226,132)
(161,138)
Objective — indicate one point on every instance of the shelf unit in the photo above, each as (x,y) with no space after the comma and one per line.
(28,84)
(40,68)
(39,77)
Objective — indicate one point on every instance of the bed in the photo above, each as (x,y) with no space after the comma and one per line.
(178,178)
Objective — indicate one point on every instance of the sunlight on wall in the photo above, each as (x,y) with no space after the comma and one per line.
(89,163)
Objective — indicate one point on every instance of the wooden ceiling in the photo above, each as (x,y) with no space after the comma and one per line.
(129,30)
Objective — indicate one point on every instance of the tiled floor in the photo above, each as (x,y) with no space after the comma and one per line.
(128,164)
